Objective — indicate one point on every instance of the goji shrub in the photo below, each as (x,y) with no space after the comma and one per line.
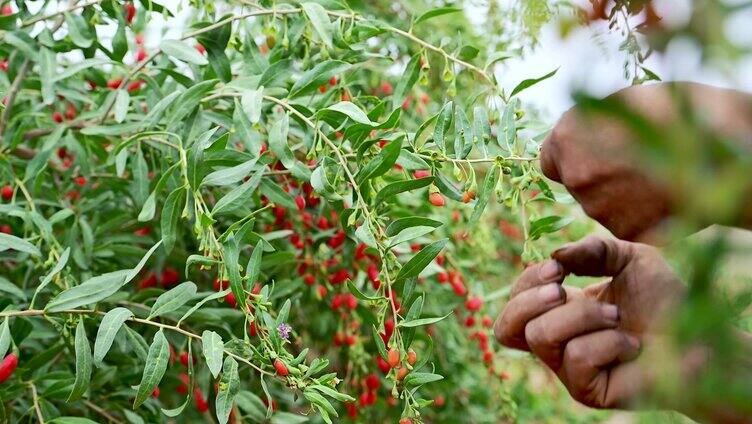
(288,211)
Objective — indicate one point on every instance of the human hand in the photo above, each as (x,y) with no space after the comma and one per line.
(590,337)
(595,155)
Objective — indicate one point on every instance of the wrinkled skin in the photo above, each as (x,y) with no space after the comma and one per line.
(595,155)
(590,337)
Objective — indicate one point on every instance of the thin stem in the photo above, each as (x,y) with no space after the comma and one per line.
(41,312)
(101,411)
(60,12)
(35,399)
(11,96)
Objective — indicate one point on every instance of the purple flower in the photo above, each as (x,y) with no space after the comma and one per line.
(284,330)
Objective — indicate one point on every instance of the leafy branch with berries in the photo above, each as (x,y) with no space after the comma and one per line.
(285,212)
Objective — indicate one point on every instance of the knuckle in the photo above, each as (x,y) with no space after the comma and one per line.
(577,353)
(536,335)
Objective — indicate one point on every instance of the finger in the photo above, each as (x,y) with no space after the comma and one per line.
(509,328)
(595,256)
(537,275)
(548,156)
(595,367)
(600,291)
(547,334)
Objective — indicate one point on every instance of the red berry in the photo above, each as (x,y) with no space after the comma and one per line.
(436,199)
(474,303)
(280,367)
(140,54)
(412,357)
(114,83)
(487,321)
(184,359)
(393,357)
(350,340)
(421,173)
(442,277)
(439,401)
(70,112)
(337,239)
(459,287)
(155,392)
(333,81)
(300,202)
(134,86)
(405,421)
(201,404)
(57,117)
(149,281)
(386,88)
(219,285)
(322,89)
(383,365)
(309,279)
(4,68)
(323,223)
(7,367)
(169,277)
(230,298)
(200,47)
(401,373)
(80,181)
(7,10)
(487,356)
(5,228)
(130,12)
(322,291)
(139,39)
(336,301)
(352,410)
(351,301)
(440,258)
(470,321)
(373,382)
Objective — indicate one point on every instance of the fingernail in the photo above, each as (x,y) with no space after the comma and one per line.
(550,270)
(550,293)
(610,312)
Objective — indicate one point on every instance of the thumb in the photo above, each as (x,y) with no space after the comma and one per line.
(595,256)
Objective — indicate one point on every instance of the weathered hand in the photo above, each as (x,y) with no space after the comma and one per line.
(590,337)
(594,154)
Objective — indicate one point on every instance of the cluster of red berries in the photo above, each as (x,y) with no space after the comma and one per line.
(169,277)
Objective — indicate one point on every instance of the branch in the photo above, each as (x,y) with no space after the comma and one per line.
(60,12)
(42,312)
(35,399)
(11,96)
(101,412)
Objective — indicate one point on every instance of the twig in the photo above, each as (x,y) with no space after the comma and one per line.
(102,412)
(11,96)
(35,399)
(41,312)
(60,12)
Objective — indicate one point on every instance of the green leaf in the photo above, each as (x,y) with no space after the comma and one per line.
(119,42)
(8,241)
(134,272)
(277,195)
(436,12)
(396,226)
(463,134)
(485,195)
(359,294)
(83,363)
(408,79)
(170,215)
(395,188)
(230,175)
(203,301)
(122,101)
(251,405)
(342,397)
(188,101)
(156,364)
(382,163)
(8,287)
(379,343)
(71,420)
(419,378)
(531,82)
(364,234)
(48,68)
(318,76)
(421,321)
(549,224)
(90,291)
(232,254)
(156,112)
(5,337)
(182,51)
(238,196)
(229,386)
(150,205)
(251,101)
(213,348)
(278,141)
(443,122)
(316,399)
(320,21)
(351,111)
(50,275)
(409,234)
(253,269)
(173,299)
(417,263)
(79,31)
(108,328)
